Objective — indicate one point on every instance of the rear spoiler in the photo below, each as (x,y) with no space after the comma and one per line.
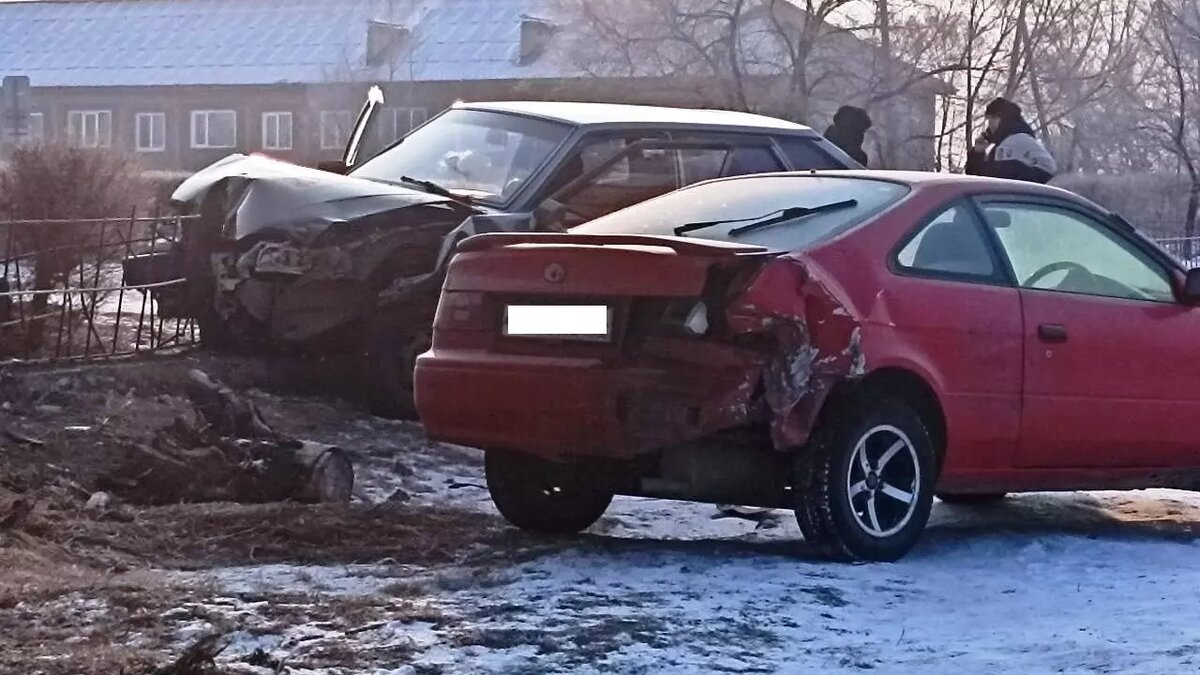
(483,242)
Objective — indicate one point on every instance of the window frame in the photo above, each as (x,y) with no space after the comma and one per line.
(815,142)
(326,114)
(411,111)
(1137,245)
(278,116)
(206,115)
(736,141)
(82,115)
(41,127)
(138,146)
(1002,274)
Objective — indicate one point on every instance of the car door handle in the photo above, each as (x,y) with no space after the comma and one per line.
(1052,332)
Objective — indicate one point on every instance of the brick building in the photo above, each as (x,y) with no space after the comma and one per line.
(185,82)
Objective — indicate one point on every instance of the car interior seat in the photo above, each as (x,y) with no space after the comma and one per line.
(955,245)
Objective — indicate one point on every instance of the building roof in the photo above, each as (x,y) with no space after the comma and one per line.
(83,43)
(611,113)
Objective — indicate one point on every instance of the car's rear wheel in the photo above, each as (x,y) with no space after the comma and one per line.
(865,482)
(972,499)
(543,496)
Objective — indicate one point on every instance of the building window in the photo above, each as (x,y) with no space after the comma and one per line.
(151,133)
(396,123)
(90,128)
(336,126)
(277,130)
(36,129)
(214,129)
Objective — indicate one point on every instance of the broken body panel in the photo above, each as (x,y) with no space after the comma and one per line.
(768,352)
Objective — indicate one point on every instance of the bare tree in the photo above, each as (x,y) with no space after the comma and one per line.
(797,59)
(1170,90)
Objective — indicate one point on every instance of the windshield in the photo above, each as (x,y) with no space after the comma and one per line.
(726,206)
(486,155)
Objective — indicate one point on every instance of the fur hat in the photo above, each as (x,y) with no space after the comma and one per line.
(1002,107)
(850,117)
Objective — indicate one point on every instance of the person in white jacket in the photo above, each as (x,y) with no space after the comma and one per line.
(1009,148)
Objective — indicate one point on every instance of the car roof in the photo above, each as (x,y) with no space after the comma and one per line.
(590,114)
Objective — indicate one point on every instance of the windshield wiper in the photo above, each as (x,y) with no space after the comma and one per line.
(768,219)
(433,188)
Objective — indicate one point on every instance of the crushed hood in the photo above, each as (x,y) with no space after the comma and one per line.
(269,194)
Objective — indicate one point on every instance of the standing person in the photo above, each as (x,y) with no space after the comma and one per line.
(1008,147)
(849,129)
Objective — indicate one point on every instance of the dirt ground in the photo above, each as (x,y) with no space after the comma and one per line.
(83,586)
(418,575)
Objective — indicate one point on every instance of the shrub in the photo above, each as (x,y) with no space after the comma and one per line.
(1155,202)
(69,185)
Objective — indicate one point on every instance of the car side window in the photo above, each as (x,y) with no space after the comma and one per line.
(1057,249)
(952,244)
(805,155)
(701,164)
(752,159)
(639,176)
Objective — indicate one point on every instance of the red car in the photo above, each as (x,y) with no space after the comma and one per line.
(845,344)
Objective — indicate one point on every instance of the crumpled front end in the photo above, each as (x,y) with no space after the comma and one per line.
(288,254)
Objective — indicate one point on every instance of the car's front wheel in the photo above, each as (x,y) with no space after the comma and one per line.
(394,341)
(544,496)
(865,482)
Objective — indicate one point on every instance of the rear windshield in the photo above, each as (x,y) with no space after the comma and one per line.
(760,202)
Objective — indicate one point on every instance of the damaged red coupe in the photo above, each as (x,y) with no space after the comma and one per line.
(845,345)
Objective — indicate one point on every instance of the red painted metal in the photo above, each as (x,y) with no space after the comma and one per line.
(1121,393)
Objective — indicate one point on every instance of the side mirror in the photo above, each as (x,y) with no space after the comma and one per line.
(332,166)
(1191,287)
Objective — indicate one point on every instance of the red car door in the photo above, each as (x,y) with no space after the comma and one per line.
(1111,375)
(953,307)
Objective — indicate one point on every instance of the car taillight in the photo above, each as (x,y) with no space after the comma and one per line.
(687,317)
(460,311)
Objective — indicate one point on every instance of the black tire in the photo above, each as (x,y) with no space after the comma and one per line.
(238,335)
(392,351)
(215,335)
(838,525)
(539,495)
(972,499)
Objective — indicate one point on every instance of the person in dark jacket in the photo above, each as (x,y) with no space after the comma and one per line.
(848,131)
(1009,148)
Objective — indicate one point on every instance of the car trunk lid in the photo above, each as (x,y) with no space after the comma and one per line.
(583,295)
(589,264)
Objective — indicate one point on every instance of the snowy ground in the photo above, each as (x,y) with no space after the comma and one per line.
(1071,583)
(1045,583)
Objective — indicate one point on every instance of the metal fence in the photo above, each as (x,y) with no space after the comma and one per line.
(1184,249)
(63,294)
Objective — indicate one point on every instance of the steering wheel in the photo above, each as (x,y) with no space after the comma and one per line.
(1065,265)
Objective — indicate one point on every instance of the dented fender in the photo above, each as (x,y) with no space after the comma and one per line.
(815,341)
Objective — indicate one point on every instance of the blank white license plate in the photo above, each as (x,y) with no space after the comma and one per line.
(589,322)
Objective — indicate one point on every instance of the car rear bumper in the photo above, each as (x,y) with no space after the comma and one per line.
(559,407)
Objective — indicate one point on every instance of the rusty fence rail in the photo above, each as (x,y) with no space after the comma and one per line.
(63,294)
